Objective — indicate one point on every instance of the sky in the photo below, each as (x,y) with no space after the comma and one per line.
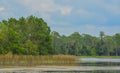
(68,16)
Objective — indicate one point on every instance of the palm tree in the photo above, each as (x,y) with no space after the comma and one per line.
(102,36)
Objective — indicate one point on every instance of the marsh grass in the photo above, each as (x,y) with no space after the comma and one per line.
(29,60)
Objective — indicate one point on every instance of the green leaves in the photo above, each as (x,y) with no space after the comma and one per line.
(25,36)
(86,45)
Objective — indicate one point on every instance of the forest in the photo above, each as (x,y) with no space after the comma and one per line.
(32,36)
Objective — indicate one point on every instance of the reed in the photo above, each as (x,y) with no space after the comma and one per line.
(29,60)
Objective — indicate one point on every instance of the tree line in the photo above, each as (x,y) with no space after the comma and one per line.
(86,45)
(32,36)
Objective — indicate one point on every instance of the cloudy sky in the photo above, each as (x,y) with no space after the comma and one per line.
(68,16)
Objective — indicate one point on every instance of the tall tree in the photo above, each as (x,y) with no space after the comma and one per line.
(56,42)
(29,35)
(110,45)
(102,37)
(101,45)
(117,40)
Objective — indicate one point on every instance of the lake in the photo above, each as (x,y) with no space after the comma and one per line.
(99,61)
(63,72)
(87,65)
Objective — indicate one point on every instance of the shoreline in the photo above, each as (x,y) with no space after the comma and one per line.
(58,68)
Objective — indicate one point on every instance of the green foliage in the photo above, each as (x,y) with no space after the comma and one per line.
(86,45)
(28,36)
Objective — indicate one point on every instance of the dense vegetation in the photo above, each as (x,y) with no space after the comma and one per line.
(26,36)
(86,45)
(32,36)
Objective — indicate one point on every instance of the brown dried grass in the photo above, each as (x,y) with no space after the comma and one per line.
(29,60)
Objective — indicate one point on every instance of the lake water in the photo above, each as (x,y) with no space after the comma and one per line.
(65,72)
(99,62)
(99,59)
(91,62)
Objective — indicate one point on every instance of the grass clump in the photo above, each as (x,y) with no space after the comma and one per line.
(29,60)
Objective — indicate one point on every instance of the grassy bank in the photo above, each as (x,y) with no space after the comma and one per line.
(98,56)
(29,60)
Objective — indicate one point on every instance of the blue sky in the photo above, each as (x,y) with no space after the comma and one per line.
(68,16)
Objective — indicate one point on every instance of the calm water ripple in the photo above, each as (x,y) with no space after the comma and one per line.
(63,72)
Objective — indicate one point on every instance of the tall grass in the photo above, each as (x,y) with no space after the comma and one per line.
(29,60)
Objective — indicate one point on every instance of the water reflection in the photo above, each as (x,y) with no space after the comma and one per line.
(99,59)
(99,62)
(97,71)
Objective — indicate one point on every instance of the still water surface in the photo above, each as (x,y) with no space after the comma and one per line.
(99,62)
(63,72)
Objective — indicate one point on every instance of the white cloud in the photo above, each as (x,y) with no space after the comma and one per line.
(2,9)
(115,9)
(46,6)
(66,10)
(44,9)
(85,13)
(98,9)
(40,5)
(111,7)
